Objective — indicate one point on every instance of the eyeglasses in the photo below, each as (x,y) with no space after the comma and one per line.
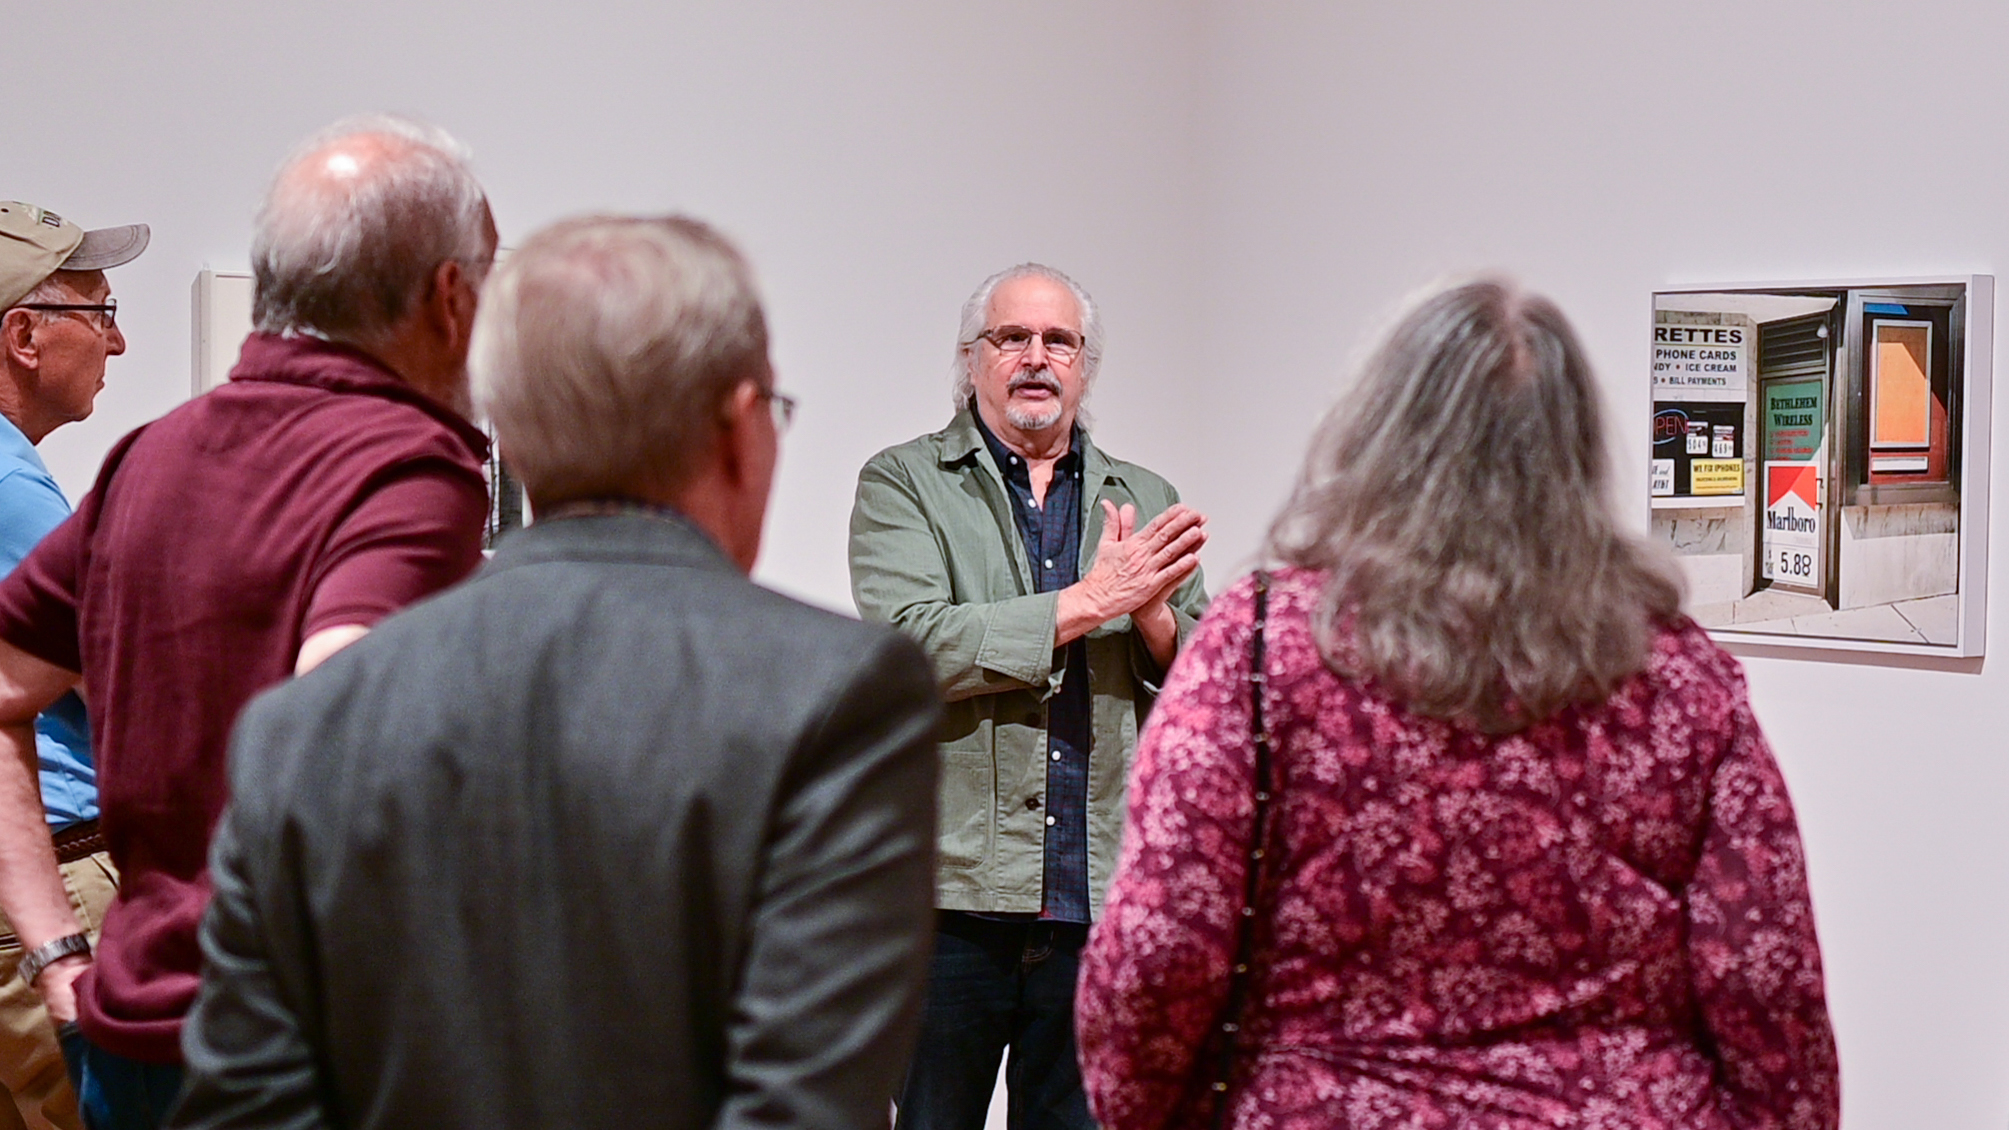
(783,407)
(107,311)
(1061,345)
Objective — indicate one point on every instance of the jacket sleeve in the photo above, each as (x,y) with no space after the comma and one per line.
(1154,976)
(1189,600)
(829,996)
(249,1063)
(1752,951)
(1188,603)
(900,576)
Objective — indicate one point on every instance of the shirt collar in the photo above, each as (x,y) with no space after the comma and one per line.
(303,360)
(14,445)
(1004,456)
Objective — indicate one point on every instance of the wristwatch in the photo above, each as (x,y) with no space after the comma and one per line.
(32,965)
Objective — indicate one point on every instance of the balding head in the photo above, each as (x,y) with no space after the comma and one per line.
(355,224)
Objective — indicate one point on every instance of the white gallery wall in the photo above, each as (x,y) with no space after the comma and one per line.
(1247,187)
(876,161)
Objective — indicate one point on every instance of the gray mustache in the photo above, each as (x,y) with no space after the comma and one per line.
(1042,378)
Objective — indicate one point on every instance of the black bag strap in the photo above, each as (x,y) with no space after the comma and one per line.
(1245,943)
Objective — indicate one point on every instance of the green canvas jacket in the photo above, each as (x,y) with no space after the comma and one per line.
(935,552)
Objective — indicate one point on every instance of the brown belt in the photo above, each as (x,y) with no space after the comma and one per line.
(79,841)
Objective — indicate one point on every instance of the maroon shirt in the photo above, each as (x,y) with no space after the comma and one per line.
(316,489)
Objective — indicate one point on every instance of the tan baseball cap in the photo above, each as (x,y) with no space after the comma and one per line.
(36,243)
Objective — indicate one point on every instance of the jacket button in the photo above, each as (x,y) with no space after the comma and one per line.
(1032,803)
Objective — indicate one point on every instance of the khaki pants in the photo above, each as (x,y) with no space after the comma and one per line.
(34,1086)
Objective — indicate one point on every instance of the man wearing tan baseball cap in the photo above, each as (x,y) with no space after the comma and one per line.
(36,243)
(53,272)
(57,326)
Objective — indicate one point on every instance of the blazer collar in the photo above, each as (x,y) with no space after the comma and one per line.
(654,537)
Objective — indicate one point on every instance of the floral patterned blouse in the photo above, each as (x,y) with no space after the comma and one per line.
(1601,921)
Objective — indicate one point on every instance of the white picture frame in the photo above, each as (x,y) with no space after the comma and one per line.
(1892,558)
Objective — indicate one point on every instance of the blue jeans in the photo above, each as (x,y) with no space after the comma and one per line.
(116,1093)
(992,985)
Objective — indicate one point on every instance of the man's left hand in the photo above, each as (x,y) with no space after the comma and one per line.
(58,986)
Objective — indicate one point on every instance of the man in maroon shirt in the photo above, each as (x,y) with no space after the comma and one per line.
(242,538)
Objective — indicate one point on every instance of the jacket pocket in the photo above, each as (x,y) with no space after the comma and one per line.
(965,798)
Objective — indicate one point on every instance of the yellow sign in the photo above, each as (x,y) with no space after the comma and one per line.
(1716,476)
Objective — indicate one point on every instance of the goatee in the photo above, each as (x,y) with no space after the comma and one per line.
(1028,419)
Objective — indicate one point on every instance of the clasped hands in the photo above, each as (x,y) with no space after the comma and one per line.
(1134,574)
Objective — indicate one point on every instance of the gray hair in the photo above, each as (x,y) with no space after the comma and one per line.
(345,259)
(49,290)
(1459,501)
(978,310)
(605,349)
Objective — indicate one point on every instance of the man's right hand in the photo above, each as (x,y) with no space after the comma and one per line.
(1132,567)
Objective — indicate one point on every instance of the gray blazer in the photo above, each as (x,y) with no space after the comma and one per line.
(606,837)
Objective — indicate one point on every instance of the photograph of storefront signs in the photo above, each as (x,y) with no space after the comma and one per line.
(1811,446)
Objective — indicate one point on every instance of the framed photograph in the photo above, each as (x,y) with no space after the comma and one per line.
(1820,460)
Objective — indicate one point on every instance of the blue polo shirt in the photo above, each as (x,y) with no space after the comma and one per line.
(31,504)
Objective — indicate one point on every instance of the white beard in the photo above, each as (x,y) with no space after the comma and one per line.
(1033,420)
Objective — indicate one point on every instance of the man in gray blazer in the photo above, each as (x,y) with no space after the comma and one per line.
(608,836)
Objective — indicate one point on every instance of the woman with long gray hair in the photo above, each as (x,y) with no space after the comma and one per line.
(1451,819)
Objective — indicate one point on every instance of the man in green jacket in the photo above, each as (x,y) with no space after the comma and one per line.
(1051,585)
